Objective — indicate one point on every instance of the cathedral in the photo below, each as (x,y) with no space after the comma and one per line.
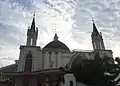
(47,66)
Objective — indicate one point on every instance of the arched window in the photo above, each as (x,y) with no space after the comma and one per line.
(28,62)
(71,83)
(31,41)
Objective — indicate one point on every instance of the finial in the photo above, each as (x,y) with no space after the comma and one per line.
(92,19)
(55,37)
(34,14)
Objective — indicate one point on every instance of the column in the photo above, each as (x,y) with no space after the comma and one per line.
(43,61)
(46,60)
(50,61)
(56,59)
(59,59)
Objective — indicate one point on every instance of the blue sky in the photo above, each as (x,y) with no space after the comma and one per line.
(71,18)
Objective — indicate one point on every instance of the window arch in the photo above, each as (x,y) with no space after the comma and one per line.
(28,62)
(71,83)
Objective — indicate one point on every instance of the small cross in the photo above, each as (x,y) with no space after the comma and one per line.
(34,14)
(92,19)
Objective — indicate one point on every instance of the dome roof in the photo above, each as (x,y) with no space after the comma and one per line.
(57,44)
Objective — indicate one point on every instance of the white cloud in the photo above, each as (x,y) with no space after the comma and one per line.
(71,18)
(106,15)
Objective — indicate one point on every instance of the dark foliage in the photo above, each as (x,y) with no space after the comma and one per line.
(98,71)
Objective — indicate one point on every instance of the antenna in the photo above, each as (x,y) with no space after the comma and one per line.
(33,13)
(55,29)
(92,19)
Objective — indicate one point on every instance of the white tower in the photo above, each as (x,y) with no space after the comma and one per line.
(97,39)
(32,34)
(30,54)
(69,80)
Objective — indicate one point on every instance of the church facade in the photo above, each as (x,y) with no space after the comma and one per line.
(46,66)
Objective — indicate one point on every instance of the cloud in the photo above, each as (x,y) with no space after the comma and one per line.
(13,27)
(25,4)
(106,17)
(71,18)
(9,35)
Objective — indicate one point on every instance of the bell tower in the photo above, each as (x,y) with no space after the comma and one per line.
(30,54)
(97,40)
(32,34)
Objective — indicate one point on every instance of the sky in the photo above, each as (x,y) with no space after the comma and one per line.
(72,20)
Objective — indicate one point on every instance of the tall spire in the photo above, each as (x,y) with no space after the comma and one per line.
(94,28)
(97,39)
(33,23)
(32,34)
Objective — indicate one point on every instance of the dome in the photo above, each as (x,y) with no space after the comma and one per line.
(57,44)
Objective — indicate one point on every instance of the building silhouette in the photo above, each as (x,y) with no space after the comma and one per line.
(38,66)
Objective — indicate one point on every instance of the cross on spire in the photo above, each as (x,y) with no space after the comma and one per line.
(34,14)
(92,19)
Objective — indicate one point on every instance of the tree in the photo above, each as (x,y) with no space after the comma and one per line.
(98,71)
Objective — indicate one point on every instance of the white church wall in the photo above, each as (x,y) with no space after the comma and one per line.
(36,65)
(65,61)
(38,61)
(46,60)
(21,60)
(50,60)
(60,60)
(69,78)
(65,58)
(55,59)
